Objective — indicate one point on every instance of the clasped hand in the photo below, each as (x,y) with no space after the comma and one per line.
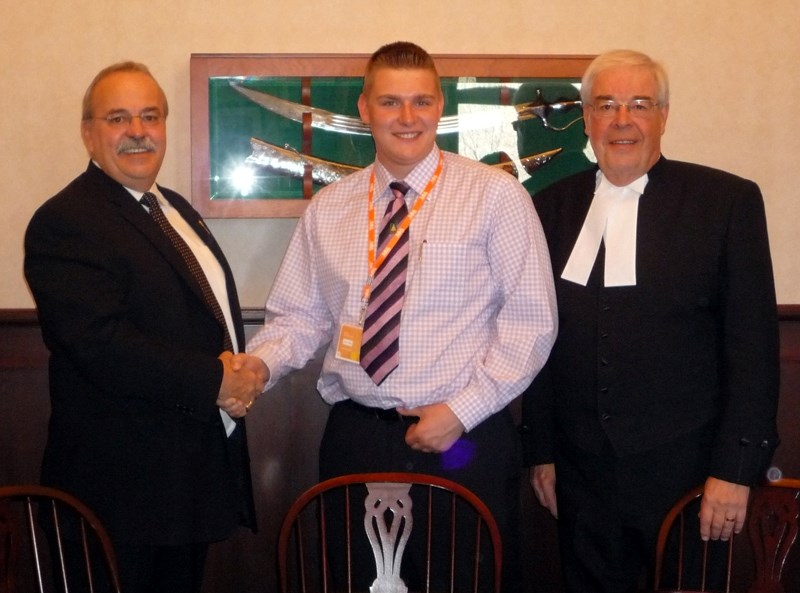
(437,429)
(243,380)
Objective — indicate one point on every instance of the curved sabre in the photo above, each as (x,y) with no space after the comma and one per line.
(320,118)
(448,124)
(347,124)
(289,161)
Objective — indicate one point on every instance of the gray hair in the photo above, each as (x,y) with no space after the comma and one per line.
(627,58)
(127,66)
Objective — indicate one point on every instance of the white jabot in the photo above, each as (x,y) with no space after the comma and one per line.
(612,219)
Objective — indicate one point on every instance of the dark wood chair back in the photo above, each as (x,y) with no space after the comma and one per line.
(312,551)
(751,562)
(52,541)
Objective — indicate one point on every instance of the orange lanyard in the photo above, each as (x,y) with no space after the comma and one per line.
(375,262)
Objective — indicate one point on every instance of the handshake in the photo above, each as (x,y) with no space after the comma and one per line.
(243,380)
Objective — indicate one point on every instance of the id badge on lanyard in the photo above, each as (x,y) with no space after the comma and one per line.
(348,345)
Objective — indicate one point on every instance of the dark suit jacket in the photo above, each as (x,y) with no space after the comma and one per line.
(693,344)
(134,429)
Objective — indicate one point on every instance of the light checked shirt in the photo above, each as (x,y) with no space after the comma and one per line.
(479,317)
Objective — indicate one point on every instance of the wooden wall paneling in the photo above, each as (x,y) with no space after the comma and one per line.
(284,431)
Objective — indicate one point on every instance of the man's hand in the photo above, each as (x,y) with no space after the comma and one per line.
(543,482)
(723,509)
(243,380)
(438,428)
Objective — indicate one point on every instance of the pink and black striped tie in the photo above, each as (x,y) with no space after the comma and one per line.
(380,342)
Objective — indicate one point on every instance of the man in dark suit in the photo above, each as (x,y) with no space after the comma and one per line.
(665,371)
(146,390)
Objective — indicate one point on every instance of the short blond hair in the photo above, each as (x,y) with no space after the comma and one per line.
(399,55)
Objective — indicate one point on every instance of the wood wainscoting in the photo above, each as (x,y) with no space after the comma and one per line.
(285,429)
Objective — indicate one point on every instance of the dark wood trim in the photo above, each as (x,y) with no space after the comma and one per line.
(19,317)
(284,434)
(255,315)
(789,312)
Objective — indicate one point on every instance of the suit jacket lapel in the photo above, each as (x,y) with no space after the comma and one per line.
(196,222)
(137,216)
(659,209)
(570,212)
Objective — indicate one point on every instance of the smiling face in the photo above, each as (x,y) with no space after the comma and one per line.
(626,147)
(131,154)
(402,108)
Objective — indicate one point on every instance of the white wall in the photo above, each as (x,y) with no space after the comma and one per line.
(733,68)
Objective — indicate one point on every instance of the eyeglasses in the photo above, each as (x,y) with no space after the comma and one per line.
(122,119)
(641,108)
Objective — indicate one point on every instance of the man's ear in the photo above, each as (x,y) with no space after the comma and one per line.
(86,136)
(362,108)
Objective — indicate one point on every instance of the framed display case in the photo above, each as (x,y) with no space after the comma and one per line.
(268,131)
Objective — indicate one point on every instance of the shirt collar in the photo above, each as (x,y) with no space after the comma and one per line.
(636,185)
(417,179)
(137,195)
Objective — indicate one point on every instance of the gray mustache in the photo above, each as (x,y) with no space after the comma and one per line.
(135,144)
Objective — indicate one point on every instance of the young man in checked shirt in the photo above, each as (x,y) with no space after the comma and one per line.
(478,310)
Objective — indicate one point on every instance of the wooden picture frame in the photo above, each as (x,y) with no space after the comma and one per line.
(222,117)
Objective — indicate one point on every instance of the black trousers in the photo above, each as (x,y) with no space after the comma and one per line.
(610,508)
(486,460)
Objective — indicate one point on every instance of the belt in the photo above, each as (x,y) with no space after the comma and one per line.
(386,415)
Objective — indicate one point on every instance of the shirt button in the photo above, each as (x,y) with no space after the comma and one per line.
(605,417)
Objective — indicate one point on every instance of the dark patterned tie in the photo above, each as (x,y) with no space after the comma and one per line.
(380,345)
(150,200)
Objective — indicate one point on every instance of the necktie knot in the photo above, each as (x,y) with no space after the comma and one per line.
(399,188)
(149,199)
